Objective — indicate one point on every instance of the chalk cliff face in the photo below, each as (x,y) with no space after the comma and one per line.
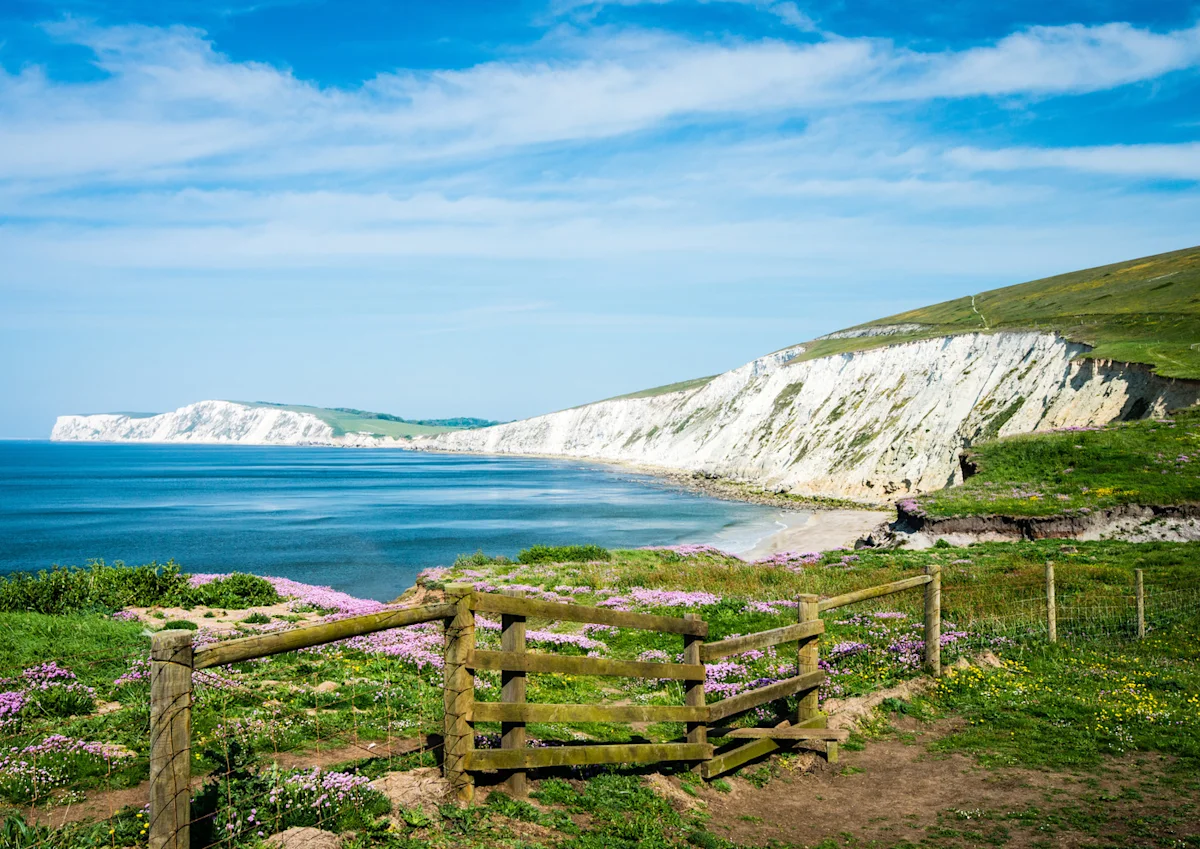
(209,422)
(867,425)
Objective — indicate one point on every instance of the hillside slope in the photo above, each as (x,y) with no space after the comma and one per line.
(886,408)
(1142,311)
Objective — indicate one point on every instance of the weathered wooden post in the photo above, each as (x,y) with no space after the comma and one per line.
(933,620)
(459,693)
(697,732)
(512,734)
(171,664)
(1051,607)
(1141,604)
(808,659)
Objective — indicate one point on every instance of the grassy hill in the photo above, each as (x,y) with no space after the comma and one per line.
(348,420)
(1144,310)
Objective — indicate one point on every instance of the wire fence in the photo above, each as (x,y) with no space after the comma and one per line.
(271,734)
(1077,617)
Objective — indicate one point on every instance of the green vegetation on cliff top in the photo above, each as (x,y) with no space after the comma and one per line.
(1144,311)
(1152,462)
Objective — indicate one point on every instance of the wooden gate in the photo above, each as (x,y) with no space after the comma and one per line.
(173,662)
(514,662)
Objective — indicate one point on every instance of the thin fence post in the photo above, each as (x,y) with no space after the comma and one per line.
(459,693)
(933,620)
(1141,604)
(512,734)
(697,732)
(171,665)
(1051,604)
(807,659)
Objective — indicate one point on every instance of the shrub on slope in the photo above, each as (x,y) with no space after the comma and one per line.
(101,588)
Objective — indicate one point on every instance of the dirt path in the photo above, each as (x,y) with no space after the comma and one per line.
(895,790)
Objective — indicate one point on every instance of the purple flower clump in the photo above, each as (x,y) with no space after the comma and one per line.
(672,598)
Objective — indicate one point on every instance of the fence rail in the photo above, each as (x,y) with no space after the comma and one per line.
(173,662)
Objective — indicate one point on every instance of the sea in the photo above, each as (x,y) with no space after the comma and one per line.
(364,521)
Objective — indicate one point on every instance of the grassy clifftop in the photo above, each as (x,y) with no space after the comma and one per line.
(1144,310)
(345,420)
(1151,462)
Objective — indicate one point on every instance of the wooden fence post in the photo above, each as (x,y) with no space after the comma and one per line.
(697,732)
(1051,606)
(1141,604)
(459,693)
(171,664)
(512,734)
(933,620)
(808,658)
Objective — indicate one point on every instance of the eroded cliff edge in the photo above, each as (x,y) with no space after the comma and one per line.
(869,425)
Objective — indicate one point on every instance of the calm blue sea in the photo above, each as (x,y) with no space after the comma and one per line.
(363,521)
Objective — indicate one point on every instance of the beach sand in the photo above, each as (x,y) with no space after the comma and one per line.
(820,530)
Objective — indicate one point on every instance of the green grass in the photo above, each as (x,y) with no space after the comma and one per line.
(1071,705)
(1044,474)
(1144,310)
(681,386)
(284,704)
(347,420)
(97,648)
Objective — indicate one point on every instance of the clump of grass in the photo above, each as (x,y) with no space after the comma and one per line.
(563,554)
(179,625)
(468,561)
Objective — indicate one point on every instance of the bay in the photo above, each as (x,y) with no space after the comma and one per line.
(363,521)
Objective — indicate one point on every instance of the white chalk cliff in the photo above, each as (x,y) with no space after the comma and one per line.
(211,422)
(867,425)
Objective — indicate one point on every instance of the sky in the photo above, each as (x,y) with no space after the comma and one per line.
(502,209)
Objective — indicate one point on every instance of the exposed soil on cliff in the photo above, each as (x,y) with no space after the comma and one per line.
(1133,522)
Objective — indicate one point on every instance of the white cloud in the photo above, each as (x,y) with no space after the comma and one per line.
(181,159)
(172,102)
(1163,161)
(786,10)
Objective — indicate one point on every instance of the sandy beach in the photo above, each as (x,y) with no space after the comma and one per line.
(820,530)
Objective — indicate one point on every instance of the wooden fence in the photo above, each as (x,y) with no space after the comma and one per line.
(173,660)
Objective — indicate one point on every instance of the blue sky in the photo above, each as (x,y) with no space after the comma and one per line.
(500,209)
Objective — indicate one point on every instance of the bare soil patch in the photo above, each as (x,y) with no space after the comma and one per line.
(895,790)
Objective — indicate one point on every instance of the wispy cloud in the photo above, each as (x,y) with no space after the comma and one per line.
(1180,161)
(171,101)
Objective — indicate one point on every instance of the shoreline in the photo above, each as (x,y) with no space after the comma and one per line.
(820,530)
(803,523)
